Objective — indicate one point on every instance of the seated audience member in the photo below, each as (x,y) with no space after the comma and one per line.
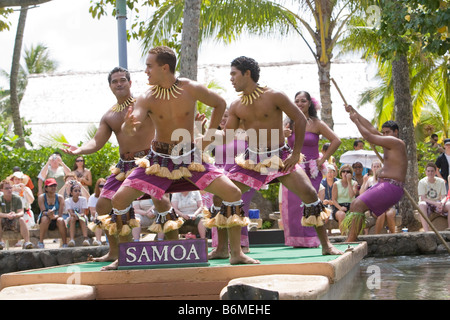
(358,145)
(26,178)
(69,179)
(435,146)
(432,194)
(11,215)
(26,195)
(327,185)
(343,193)
(443,163)
(446,203)
(358,176)
(83,174)
(92,203)
(78,209)
(144,211)
(54,168)
(189,206)
(52,207)
(388,216)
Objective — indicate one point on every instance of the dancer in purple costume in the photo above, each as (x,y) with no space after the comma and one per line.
(295,234)
(129,148)
(171,104)
(389,189)
(268,159)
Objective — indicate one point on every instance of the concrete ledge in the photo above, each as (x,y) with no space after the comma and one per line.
(276,287)
(13,237)
(17,260)
(204,283)
(48,291)
(398,244)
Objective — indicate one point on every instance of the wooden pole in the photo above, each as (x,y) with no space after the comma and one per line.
(405,191)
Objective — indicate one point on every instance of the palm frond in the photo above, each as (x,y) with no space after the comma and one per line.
(223,20)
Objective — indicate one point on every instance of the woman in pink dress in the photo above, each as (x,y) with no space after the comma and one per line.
(295,234)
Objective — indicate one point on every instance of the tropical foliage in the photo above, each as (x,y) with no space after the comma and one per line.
(429,72)
(37,60)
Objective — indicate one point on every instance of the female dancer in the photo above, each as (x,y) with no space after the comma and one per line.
(295,234)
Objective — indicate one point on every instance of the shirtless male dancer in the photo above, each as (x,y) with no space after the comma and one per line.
(389,189)
(268,158)
(129,148)
(171,104)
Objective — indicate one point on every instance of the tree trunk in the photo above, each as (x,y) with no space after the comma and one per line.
(324,54)
(189,39)
(14,78)
(404,119)
(326,112)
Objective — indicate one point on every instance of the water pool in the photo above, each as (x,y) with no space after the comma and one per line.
(425,277)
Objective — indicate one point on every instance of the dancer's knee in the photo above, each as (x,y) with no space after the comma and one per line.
(232,194)
(358,206)
(119,202)
(162,205)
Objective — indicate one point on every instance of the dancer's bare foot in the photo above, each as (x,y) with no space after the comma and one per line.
(330,250)
(106,258)
(112,266)
(243,259)
(216,254)
(245,249)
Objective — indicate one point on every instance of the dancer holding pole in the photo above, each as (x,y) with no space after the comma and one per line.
(391,178)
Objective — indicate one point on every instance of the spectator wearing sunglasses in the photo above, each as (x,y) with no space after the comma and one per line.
(83,174)
(343,193)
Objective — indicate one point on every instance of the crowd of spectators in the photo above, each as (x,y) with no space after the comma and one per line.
(65,203)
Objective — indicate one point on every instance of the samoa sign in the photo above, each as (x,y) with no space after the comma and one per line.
(163,254)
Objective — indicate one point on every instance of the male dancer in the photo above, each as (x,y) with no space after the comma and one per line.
(267,159)
(129,148)
(389,189)
(173,164)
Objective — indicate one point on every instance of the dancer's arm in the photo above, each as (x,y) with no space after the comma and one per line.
(100,138)
(363,122)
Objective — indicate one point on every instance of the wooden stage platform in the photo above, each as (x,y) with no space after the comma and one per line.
(193,283)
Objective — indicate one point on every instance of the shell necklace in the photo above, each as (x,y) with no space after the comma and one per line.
(163,93)
(248,98)
(119,107)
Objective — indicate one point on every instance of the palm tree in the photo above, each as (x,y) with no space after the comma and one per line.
(429,81)
(189,39)
(406,72)
(18,129)
(37,60)
(226,20)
